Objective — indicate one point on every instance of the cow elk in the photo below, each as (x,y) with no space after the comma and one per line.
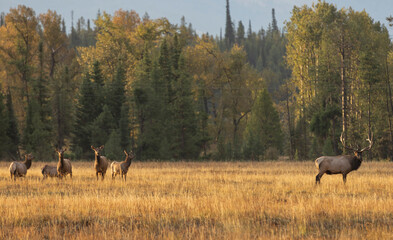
(64,166)
(100,162)
(19,169)
(49,171)
(121,168)
(342,164)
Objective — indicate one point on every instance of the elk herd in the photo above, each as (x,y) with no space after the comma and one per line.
(342,164)
(64,166)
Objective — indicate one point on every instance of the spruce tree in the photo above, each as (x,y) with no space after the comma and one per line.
(263,130)
(62,106)
(12,128)
(274,21)
(98,85)
(229,29)
(240,34)
(124,127)
(4,141)
(115,97)
(102,127)
(186,136)
(85,114)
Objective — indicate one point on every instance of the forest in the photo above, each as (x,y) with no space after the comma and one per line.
(159,89)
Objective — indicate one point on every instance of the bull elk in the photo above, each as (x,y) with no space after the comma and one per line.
(100,162)
(342,164)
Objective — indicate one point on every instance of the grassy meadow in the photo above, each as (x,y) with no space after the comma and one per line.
(199,200)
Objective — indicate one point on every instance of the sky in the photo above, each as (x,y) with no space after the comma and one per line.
(206,16)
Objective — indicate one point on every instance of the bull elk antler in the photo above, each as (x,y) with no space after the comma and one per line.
(369,139)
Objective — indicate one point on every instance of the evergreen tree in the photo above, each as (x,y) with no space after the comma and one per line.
(229,29)
(124,127)
(62,107)
(4,141)
(12,128)
(98,85)
(274,21)
(185,125)
(263,130)
(115,98)
(102,127)
(36,138)
(113,149)
(85,114)
(240,34)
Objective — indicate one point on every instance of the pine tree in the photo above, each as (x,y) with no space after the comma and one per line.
(229,29)
(186,136)
(113,149)
(240,34)
(62,107)
(263,130)
(98,84)
(115,97)
(4,141)
(85,114)
(124,127)
(12,129)
(36,138)
(274,21)
(102,127)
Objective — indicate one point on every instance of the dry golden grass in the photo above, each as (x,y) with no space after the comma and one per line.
(239,200)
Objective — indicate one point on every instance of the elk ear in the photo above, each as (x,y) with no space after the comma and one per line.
(65,149)
(92,147)
(102,147)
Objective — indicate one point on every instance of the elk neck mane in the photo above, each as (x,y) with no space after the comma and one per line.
(355,161)
(27,162)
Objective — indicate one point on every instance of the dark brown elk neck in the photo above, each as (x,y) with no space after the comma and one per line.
(27,163)
(61,160)
(127,162)
(98,158)
(355,162)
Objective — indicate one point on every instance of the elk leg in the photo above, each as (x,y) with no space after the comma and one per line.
(125,177)
(318,178)
(345,178)
(102,176)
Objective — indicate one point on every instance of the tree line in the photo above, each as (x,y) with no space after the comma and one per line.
(160,89)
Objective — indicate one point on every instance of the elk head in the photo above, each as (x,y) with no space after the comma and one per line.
(130,155)
(97,150)
(60,152)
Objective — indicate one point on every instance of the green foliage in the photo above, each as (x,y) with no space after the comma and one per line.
(113,149)
(102,127)
(124,127)
(84,117)
(263,129)
(36,138)
(115,97)
(12,129)
(4,140)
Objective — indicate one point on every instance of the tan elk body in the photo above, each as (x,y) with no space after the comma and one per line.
(19,169)
(49,171)
(121,168)
(342,164)
(64,166)
(100,162)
